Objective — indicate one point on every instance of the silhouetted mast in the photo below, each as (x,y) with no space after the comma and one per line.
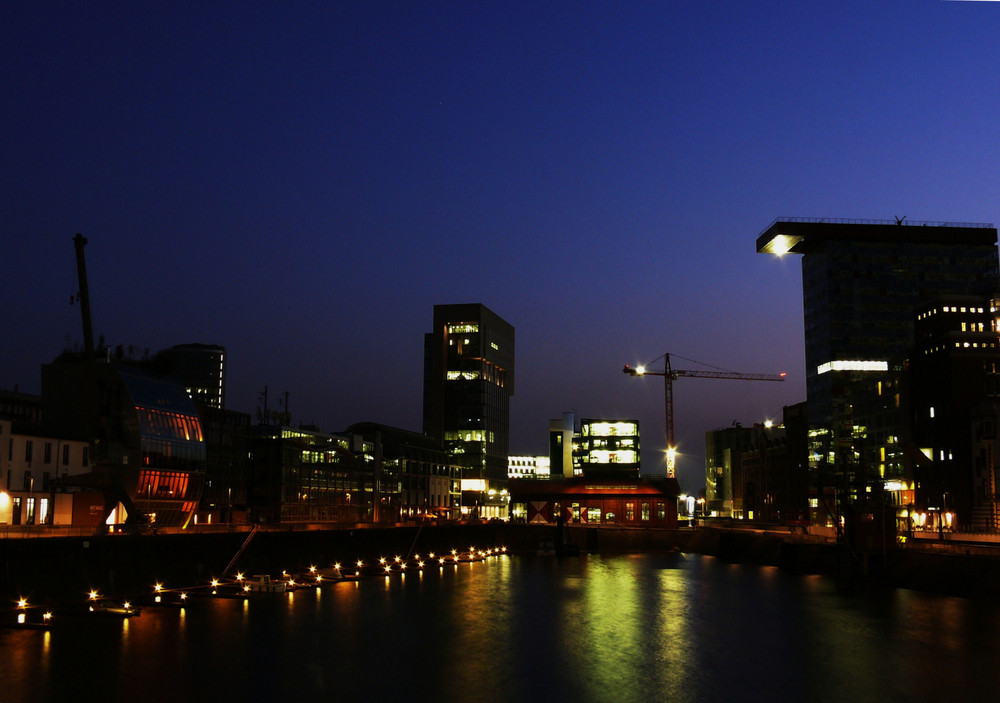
(79,241)
(81,273)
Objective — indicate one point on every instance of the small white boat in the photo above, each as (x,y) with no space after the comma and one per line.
(262,583)
(109,608)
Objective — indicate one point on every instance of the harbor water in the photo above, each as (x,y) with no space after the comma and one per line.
(652,627)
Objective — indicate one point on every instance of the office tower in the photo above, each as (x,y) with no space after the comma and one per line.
(608,448)
(724,482)
(954,404)
(468,382)
(200,368)
(862,281)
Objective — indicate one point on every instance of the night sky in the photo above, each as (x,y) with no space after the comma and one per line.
(303,183)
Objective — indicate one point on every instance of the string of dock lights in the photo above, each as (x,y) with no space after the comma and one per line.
(240,586)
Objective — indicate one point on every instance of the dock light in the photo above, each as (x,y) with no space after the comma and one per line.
(239,576)
(431,555)
(454,552)
(381,560)
(441,560)
(22,602)
(420,564)
(246,589)
(184,596)
(387,568)
(312,569)
(158,587)
(402,566)
(360,563)
(93,595)
(319,578)
(337,566)
(397,559)
(126,605)
(215,583)
(46,616)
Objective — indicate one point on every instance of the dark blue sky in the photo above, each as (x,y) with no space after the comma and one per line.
(303,185)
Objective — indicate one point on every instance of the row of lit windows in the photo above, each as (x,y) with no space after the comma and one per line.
(949,308)
(463,328)
(593,513)
(468,436)
(963,345)
(167,424)
(607,457)
(604,443)
(310,457)
(162,485)
(610,429)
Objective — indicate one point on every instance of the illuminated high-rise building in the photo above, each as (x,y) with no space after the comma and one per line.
(468,382)
(862,283)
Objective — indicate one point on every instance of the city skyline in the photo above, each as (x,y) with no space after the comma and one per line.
(302,186)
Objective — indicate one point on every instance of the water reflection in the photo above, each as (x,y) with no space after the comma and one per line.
(611,628)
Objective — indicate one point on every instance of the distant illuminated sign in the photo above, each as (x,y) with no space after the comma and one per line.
(474,484)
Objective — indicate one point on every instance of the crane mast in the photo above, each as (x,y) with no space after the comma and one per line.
(670,375)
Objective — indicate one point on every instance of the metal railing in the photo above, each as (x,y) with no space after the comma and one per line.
(901,222)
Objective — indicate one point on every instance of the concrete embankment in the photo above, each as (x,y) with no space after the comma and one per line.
(65,567)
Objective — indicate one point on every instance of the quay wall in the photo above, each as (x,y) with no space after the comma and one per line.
(65,567)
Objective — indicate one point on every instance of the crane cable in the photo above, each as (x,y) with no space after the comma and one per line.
(693,361)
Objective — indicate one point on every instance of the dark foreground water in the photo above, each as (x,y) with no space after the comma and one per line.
(597,628)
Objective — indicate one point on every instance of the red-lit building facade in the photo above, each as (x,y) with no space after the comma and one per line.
(148,458)
(639,502)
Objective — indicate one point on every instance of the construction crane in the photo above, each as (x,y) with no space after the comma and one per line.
(671,374)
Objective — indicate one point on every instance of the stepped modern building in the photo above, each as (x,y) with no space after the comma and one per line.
(468,383)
